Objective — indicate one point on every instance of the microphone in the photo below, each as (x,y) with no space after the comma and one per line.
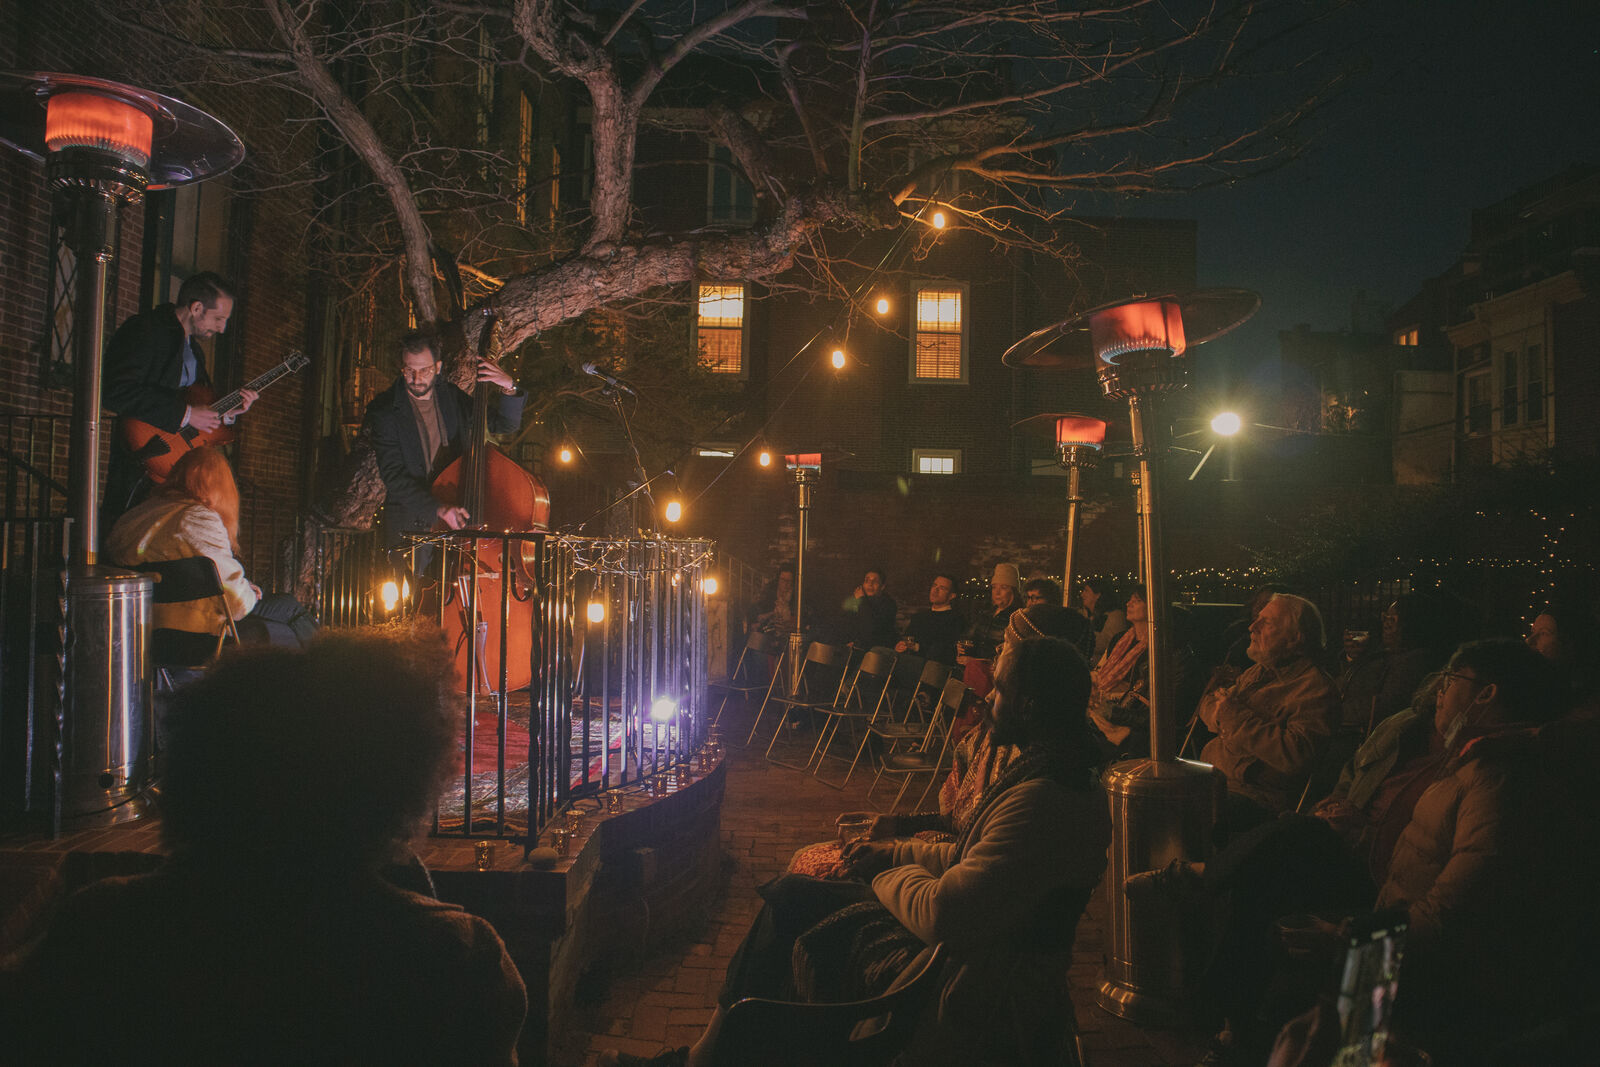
(594,371)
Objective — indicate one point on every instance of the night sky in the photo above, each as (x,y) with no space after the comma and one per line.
(1465,103)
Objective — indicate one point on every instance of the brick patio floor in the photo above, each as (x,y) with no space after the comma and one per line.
(769,811)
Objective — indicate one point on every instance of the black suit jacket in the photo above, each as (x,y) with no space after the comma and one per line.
(144,363)
(392,426)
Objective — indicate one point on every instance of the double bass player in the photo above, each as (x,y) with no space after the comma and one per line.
(416,427)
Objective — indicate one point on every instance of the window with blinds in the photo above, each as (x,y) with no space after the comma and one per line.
(719,328)
(938,344)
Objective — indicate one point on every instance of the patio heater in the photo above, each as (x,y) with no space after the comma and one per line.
(103,145)
(806,469)
(1163,808)
(1079,441)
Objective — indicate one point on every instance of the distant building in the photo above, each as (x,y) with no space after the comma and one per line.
(1518,315)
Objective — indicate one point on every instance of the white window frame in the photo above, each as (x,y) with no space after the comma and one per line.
(965,293)
(953,455)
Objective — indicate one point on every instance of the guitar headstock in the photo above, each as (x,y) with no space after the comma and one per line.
(297,361)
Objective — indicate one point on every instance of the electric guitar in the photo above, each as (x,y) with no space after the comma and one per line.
(159,450)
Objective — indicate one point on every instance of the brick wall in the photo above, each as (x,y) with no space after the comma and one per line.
(265,249)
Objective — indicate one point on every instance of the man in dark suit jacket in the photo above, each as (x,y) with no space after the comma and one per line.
(416,427)
(151,360)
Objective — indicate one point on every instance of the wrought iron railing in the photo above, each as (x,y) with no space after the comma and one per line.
(32,558)
(616,657)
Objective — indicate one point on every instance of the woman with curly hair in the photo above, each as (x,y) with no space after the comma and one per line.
(270,934)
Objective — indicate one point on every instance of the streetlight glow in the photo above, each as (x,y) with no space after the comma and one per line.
(939,220)
(882,305)
(709,584)
(838,359)
(765,458)
(597,611)
(674,511)
(565,455)
(1226,424)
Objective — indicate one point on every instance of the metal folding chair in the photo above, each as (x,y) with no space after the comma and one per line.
(863,702)
(925,758)
(181,581)
(749,673)
(781,1033)
(821,681)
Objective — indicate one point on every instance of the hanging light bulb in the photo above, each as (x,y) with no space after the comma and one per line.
(565,455)
(838,359)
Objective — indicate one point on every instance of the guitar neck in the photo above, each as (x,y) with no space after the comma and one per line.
(227,403)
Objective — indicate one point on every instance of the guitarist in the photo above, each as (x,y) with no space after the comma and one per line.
(151,360)
(416,427)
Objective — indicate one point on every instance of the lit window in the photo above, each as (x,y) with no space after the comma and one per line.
(939,343)
(1406,337)
(719,328)
(936,461)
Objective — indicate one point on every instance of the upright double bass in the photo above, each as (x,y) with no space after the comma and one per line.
(499,496)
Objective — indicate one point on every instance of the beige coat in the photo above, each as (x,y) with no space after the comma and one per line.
(1272,725)
(167,527)
(990,903)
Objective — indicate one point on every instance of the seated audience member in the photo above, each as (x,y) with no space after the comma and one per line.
(1119,702)
(1040,591)
(933,634)
(870,613)
(196,513)
(1003,898)
(773,613)
(1564,634)
(1102,603)
(975,654)
(1445,809)
(1272,723)
(1419,632)
(1475,865)
(269,935)
(976,763)
(1236,638)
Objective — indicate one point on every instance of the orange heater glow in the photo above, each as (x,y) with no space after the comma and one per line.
(1149,326)
(1080,430)
(88,120)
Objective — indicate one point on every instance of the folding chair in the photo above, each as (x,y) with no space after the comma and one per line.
(925,758)
(913,725)
(182,581)
(822,681)
(860,1033)
(866,698)
(750,673)
(930,681)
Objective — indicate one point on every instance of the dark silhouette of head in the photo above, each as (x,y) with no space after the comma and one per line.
(333,754)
